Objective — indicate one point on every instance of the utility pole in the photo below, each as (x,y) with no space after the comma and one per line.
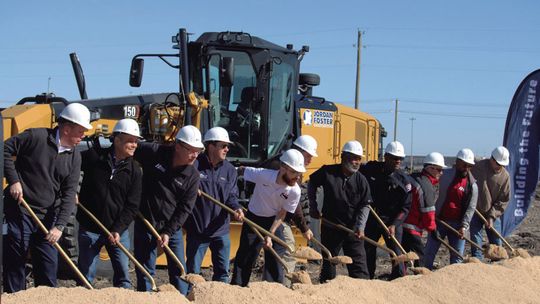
(358,48)
(395,121)
(48,85)
(412,128)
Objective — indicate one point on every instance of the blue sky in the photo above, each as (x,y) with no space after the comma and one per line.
(453,65)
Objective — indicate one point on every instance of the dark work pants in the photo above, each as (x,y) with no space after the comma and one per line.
(248,251)
(23,235)
(413,242)
(352,246)
(374,231)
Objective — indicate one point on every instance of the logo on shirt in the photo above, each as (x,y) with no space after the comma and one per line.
(203,176)
(284,195)
(461,189)
(408,187)
(179,183)
(160,168)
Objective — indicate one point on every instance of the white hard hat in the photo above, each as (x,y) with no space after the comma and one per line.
(435,158)
(395,148)
(127,126)
(501,156)
(191,136)
(466,155)
(77,113)
(307,143)
(217,134)
(294,159)
(353,147)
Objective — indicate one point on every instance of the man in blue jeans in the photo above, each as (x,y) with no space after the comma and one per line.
(45,174)
(208,225)
(111,191)
(493,195)
(170,186)
(458,194)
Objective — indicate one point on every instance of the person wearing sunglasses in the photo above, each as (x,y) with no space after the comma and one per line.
(455,205)
(208,225)
(391,191)
(421,216)
(493,196)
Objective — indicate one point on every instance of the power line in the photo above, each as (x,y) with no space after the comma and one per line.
(453,115)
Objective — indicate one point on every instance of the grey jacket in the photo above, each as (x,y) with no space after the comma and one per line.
(469,201)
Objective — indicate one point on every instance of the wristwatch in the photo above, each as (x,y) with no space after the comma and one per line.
(60,227)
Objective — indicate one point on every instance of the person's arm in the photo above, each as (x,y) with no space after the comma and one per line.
(278,220)
(131,203)
(12,147)
(469,213)
(405,205)
(232,197)
(361,212)
(68,188)
(184,206)
(499,204)
(315,181)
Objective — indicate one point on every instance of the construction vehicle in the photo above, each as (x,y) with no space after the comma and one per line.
(243,83)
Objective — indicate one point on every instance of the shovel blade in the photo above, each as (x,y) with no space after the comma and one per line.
(194,279)
(340,259)
(300,277)
(307,253)
(495,252)
(521,253)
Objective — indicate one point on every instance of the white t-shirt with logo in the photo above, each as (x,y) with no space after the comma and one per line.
(269,197)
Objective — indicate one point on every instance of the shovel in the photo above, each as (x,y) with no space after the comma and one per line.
(190,278)
(122,247)
(411,255)
(490,254)
(301,277)
(56,245)
(338,259)
(305,253)
(394,256)
(515,252)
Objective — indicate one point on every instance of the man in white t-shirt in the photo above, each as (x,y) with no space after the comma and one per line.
(276,193)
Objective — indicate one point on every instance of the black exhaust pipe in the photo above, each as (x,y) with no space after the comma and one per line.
(79,76)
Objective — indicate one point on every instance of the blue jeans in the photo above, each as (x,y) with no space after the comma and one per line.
(24,235)
(146,254)
(476,235)
(433,245)
(220,247)
(89,246)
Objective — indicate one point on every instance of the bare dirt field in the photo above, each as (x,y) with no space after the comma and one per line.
(512,281)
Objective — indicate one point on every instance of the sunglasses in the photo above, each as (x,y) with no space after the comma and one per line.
(437,169)
(222,145)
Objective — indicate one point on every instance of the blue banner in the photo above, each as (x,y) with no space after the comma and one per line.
(522,137)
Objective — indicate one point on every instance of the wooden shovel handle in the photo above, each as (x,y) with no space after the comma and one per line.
(119,245)
(249,222)
(445,224)
(493,229)
(386,229)
(167,249)
(57,246)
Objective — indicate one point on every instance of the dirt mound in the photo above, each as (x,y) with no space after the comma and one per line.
(80,295)
(512,281)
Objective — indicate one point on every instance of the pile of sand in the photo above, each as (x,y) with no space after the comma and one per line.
(512,281)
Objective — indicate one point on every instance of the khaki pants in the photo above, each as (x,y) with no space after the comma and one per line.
(289,259)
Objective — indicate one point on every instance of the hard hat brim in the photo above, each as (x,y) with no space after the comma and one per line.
(201,146)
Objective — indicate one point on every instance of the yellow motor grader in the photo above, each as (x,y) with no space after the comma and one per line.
(249,86)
